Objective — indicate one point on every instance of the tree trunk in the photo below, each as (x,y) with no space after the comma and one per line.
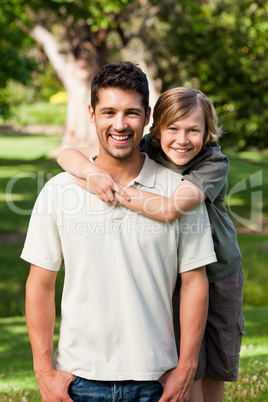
(76,78)
(78,131)
(154,91)
(136,54)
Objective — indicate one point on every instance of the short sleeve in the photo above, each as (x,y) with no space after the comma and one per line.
(42,245)
(209,174)
(196,247)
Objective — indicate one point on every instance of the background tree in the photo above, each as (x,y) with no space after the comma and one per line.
(78,38)
(218,46)
(15,62)
(221,48)
(73,35)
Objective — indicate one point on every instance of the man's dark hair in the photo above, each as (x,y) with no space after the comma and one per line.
(125,76)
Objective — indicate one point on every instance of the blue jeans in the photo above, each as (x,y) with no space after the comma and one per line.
(81,390)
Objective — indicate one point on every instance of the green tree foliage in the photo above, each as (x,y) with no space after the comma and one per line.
(15,62)
(80,27)
(221,48)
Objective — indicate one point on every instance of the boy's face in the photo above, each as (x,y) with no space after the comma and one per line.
(183,140)
(119,118)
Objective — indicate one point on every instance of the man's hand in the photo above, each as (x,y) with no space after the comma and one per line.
(54,386)
(177,385)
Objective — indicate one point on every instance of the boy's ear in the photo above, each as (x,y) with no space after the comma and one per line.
(158,135)
(91,114)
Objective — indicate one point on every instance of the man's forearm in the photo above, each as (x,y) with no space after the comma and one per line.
(40,317)
(193,316)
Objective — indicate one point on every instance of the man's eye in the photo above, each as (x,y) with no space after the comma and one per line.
(172,128)
(133,113)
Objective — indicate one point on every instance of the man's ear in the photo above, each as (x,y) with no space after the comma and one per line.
(91,114)
(147,116)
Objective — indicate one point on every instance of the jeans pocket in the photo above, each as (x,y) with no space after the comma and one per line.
(74,380)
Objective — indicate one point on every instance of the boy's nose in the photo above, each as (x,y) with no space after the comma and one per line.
(182,138)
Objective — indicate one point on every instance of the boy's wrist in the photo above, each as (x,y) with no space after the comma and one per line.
(189,368)
(188,362)
(92,170)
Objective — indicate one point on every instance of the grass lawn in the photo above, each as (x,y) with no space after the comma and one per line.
(38,113)
(25,166)
(17,380)
(254,249)
(247,199)
(14,272)
(252,384)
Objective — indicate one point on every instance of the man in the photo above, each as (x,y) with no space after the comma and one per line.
(117,338)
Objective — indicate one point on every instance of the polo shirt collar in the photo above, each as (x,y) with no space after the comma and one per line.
(147,175)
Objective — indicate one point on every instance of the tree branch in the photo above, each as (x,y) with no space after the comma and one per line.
(51,48)
(146,22)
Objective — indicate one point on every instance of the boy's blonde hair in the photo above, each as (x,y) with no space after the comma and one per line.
(177,103)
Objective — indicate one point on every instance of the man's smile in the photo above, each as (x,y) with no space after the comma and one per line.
(120,137)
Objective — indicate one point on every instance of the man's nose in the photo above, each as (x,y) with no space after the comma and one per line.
(120,122)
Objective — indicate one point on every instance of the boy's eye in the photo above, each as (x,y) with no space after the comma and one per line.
(172,128)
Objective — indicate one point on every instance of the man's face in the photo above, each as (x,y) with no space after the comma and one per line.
(119,118)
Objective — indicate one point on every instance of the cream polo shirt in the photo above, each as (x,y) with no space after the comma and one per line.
(120,272)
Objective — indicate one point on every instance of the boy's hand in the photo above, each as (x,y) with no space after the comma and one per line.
(104,186)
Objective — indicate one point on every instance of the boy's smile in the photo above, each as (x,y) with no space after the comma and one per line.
(183,140)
